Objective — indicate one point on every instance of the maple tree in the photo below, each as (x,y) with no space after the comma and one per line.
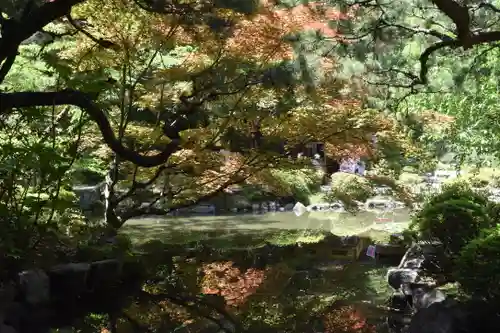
(193,106)
(229,282)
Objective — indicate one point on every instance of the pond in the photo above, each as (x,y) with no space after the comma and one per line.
(261,226)
(280,296)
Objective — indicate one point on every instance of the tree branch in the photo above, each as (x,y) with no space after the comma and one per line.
(101,42)
(459,14)
(83,101)
(149,210)
(15,32)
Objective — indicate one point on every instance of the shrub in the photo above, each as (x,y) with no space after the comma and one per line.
(478,181)
(351,186)
(493,210)
(455,217)
(297,183)
(410,179)
(458,189)
(477,268)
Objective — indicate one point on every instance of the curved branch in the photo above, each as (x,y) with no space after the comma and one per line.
(15,32)
(481,38)
(424,58)
(101,42)
(7,64)
(459,14)
(83,101)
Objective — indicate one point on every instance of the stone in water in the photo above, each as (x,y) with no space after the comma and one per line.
(299,209)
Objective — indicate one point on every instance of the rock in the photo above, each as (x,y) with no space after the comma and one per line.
(413,253)
(424,296)
(416,263)
(398,301)
(397,322)
(299,209)
(397,277)
(35,286)
(12,313)
(441,317)
(69,280)
(104,271)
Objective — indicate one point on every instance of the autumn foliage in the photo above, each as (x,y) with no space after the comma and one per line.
(222,278)
(266,31)
(237,285)
(346,319)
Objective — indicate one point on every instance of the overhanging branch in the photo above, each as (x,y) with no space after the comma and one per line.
(83,101)
(15,32)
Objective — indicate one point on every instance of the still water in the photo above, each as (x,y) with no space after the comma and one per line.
(361,283)
(362,223)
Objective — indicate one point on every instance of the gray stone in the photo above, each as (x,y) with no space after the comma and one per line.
(424,296)
(439,317)
(414,252)
(70,279)
(35,286)
(398,301)
(397,277)
(88,195)
(413,263)
(104,271)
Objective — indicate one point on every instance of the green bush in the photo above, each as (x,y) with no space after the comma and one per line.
(478,181)
(299,183)
(458,189)
(455,216)
(493,210)
(410,179)
(477,268)
(349,187)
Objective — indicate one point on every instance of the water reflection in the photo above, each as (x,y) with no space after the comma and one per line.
(338,223)
(360,284)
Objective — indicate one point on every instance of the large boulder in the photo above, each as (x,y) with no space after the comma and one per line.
(424,296)
(439,317)
(398,277)
(68,280)
(34,287)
